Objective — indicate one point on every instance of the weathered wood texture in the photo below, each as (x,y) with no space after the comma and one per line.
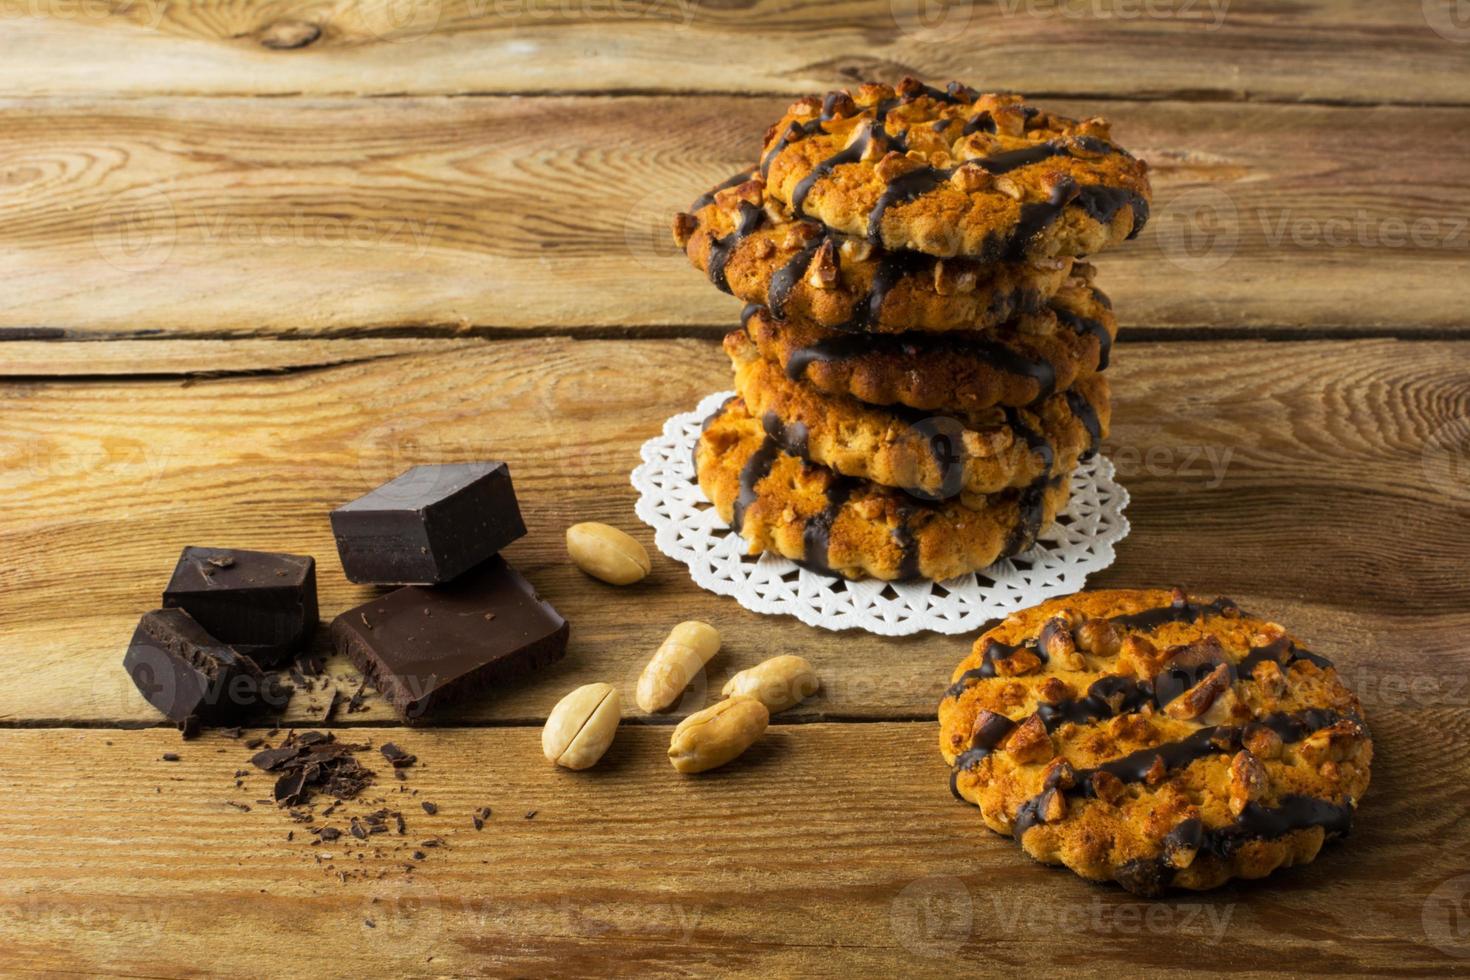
(827,850)
(1321,481)
(210,217)
(1333,50)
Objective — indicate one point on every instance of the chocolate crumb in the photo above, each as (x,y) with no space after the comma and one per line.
(170,757)
(531,815)
(430,808)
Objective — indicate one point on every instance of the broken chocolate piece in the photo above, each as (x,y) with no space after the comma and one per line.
(429,525)
(425,647)
(262,604)
(399,758)
(188,674)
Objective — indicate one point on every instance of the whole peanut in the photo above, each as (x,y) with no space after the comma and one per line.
(779,683)
(710,738)
(688,648)
(581,726)
(606,553)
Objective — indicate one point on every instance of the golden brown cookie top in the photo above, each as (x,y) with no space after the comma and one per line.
(751,245)
(1155,739)
(1015,364)
(954,173)
(842,526)
(932,455)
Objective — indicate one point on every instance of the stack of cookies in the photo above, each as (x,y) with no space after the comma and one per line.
(919,368)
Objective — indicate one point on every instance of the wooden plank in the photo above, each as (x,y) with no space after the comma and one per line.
(1320,481)
(826,850)
(209,217)
(1335,50)
(204,358)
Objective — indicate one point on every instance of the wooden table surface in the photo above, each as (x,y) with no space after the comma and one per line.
(260,256)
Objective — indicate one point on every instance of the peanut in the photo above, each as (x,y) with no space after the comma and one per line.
(581,726)
(606,553)
(688,648)
(710,738)
(779,683)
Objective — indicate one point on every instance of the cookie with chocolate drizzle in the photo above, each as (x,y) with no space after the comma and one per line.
(752,246)
(932,455)
(1155,739)
(1017,364)
(955,173)
(840,526)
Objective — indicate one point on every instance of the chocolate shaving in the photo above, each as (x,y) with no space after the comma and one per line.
(314,763)
(399,758)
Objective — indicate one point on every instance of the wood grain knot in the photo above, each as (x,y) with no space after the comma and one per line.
(287,35)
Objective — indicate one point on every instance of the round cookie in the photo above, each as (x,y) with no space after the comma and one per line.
(853,528)
(954,173)
(1154,739)
(751,246)
(1014,365)
(934,456)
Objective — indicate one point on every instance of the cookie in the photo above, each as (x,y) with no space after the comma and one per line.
(954,173)
(750,245)
(853,528)
(1014,365)
(934,456)
(1155,739)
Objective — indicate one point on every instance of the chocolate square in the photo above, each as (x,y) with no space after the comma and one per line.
(262,604)
(429,525)
(189,675)
(424,647)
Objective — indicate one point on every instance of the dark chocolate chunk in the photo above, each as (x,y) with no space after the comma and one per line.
(262,604)
(430,808)
(425,647)
(429,525)
(188,674)
(399,758)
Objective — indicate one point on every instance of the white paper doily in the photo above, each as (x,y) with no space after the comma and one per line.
(688,530)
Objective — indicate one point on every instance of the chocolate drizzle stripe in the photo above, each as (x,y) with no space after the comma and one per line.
(706,199)
(851,154)
(816,537)
(1177,755)
(908,543)
(1146,621)
(795,132)
(1081,324)
(892,268)
(721,248)
(791,437)
(756,469)
(918,345)
(784,279)
(1087,415)
(704,427)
